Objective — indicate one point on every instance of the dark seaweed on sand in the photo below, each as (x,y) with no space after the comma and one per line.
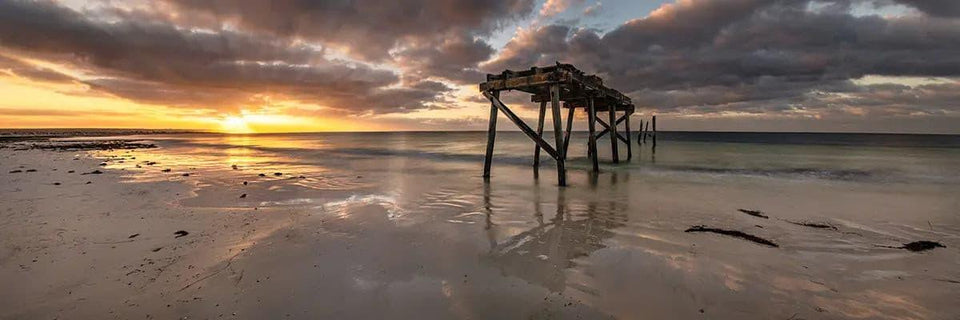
(180,233)
(98,145)
(922,245)
(917,246)
(755,213)
(734,233)
(813,225)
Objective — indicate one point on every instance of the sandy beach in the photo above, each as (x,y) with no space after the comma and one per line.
(303,227)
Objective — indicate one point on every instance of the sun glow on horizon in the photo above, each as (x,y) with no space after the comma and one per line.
(235,124)
(259,122)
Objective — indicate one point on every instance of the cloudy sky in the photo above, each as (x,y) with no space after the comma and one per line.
(302,65)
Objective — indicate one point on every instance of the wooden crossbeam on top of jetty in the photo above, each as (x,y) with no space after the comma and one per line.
(563,86)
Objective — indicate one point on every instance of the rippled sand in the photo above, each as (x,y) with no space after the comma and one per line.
(370,226)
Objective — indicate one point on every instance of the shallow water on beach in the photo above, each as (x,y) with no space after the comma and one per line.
(402,225)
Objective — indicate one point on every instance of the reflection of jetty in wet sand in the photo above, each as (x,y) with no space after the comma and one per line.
(540,255)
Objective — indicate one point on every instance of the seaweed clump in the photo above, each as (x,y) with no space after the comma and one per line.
(814,225)
(735,234)
(922,245)
(755,213)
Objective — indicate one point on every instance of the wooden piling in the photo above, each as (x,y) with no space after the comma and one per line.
(629,134)
(536,153)
(640,133)
(592,142)
(566,135)
(646,131)
(558,133)
(613,133)
(491,137)
(654,132)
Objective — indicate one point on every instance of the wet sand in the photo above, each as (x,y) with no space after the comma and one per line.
(395,236)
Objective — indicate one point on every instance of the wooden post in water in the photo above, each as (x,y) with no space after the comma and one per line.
(646,131)
(536,153)
(592,143)
(558,133)
(629,144)
(613,133)
(491,137)
(566,136)
(654,132)
(640,133)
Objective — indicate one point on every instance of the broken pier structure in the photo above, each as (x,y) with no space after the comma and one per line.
(563,86)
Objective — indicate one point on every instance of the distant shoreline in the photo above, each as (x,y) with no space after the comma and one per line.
(10,135)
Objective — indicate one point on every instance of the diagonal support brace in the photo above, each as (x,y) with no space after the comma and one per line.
(522,125)
(607,128)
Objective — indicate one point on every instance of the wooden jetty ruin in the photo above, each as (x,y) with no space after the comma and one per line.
(564,86)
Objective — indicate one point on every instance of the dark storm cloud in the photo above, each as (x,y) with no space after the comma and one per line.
(368,28)
(712,55)
(533,47)
(440,38)
(153,61)
(455,58)
(936,8)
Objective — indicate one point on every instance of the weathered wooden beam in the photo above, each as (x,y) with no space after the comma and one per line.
(613,133)
(516,83)
(640,134)
(577,99)
(645,131)
(606,131)
(654,132)
(520,124)
(607,128)
(621,137)
(536,153)
(534,80)
(558,134)
(566,135)
(603,124)
(629,145)
(491,133)
(592,142)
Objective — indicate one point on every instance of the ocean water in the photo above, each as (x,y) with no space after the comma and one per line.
(428,237)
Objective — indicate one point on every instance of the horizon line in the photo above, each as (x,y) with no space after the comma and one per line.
(170,130)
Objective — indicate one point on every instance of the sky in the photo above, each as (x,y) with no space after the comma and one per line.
(382,65)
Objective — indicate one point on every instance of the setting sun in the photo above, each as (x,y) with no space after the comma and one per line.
(235,124)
